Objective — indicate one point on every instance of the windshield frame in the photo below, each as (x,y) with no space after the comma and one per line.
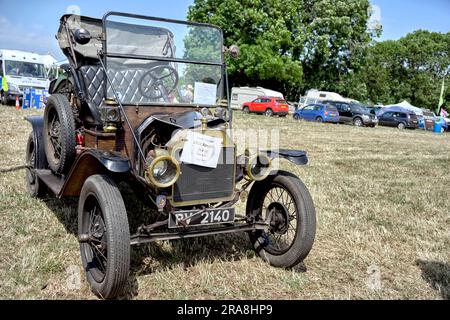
(220,64)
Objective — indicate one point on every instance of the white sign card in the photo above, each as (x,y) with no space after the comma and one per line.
(201,150)
(205,93)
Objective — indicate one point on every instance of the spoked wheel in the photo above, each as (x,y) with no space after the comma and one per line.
(35,187)
(284,202)
(104,236)
(59,133)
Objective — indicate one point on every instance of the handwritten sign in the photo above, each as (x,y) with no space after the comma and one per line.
(205,93)
(201,150)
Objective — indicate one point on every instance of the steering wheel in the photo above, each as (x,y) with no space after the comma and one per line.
(158,82)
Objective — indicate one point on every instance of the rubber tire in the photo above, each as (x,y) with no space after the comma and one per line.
(60,104)
(246,109)
(401,126)
(296,116)
(358,120)
(306,217)
(268,112)
(4,100)
(319,119)
(38,188)
(118,236)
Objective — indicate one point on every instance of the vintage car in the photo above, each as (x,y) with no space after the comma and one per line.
(141,104)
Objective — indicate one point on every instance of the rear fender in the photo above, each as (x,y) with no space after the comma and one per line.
(92,162)
(37,124)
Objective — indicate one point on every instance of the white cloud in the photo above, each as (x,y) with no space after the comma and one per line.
(375,17)
(29,38)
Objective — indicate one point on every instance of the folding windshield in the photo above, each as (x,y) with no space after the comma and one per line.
(154,61)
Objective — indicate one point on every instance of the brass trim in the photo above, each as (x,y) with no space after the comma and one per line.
(248,168)
(151,178)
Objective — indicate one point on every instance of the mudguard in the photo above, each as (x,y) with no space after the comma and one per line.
(37,124)
(297,157)
(92,162)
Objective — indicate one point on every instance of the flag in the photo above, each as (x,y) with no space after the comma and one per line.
(441,98)
(443,113)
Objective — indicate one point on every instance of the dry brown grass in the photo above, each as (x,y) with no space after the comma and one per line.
(382,198)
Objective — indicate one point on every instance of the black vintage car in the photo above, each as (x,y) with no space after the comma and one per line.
(136,107)
(354,114)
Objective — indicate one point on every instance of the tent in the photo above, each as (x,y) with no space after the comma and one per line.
(402,105)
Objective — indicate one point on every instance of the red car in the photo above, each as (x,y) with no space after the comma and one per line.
(267,105)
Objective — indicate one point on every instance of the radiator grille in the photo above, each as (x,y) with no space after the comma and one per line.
(200,184)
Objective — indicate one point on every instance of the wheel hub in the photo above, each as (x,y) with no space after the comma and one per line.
(279,221)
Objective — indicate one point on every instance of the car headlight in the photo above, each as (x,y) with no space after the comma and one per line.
(163,171)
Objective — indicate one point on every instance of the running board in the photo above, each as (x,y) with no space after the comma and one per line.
(53,182)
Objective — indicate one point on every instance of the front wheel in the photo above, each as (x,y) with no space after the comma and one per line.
(104,236)
(246,110)
(296,116)
(358,122)
(284,202)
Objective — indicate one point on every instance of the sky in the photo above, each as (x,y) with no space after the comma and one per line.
(32,25)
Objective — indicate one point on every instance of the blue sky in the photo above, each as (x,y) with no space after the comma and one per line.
(31,25)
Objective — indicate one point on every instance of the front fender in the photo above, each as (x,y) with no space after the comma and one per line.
(297,157)
(37,124)
(92,162)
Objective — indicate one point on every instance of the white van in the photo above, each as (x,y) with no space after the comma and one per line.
(239,95)
(316,96)
(20,70)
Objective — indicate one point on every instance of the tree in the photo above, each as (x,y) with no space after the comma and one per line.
(290,45)
(410,69)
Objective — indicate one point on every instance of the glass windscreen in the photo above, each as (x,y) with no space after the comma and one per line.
(24,69)
(151,61)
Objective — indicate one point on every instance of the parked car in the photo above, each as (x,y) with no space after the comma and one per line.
(112,123)
(399,119)
(239,95)
(354,114)
(267,105)
(318,112)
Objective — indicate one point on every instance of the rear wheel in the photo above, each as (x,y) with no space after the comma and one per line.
(401,126)
(104,236)
(269,112)
(4,100)
(246,110)
(59,133)
(284,202)
(319,119)
(35,187)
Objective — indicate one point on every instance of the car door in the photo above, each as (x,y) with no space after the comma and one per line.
(346,113)
(306,112)
(386,119)
(255,105)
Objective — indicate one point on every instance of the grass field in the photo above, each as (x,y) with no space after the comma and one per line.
(382,198)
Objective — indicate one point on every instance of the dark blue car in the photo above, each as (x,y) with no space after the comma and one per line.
(318,112)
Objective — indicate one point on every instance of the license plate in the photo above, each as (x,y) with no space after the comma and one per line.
(210,216)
